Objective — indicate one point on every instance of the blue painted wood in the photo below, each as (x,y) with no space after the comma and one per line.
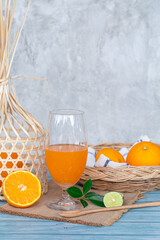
(136,224)
(140,224)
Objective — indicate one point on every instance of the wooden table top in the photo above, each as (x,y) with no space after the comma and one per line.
(135,224)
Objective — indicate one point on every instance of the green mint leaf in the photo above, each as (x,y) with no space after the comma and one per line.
(74,192)
(87,186)
(91,194)
(95,198)
(84,203)
(97,202)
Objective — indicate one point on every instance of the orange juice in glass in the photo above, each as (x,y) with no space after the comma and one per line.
(66,152)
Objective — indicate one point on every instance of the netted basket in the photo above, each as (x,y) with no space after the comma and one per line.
(122,179)
(21,139)
(21,135)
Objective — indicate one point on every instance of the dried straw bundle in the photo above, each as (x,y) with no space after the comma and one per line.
(123,179)
(21,135)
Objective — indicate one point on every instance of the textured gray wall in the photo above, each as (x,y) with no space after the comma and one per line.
(101,56)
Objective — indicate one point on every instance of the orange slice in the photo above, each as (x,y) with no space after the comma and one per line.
(21,189)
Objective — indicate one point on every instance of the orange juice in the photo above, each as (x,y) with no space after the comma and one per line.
(66,163)
(9,164)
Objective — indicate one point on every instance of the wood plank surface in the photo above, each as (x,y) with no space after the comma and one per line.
(139,224)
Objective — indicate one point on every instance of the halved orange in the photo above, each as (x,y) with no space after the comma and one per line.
(21,189)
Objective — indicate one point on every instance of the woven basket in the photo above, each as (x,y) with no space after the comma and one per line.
(21,135)
(123,179)
(22,139)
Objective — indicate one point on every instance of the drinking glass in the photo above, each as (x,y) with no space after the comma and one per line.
(66,153)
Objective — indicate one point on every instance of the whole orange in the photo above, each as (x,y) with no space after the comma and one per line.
(112,154)
(144,154)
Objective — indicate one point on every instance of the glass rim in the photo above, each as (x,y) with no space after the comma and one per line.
(68,112)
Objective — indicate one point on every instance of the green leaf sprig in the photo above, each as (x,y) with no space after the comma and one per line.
(93,197)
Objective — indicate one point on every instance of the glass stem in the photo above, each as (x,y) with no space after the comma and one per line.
(65,203)
(65,196)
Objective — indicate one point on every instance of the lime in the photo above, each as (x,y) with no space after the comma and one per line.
(122,195)
(113,199)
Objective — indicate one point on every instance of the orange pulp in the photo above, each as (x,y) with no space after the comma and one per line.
(66,163)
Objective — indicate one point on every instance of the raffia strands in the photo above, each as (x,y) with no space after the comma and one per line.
(21,135)
(123,179)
